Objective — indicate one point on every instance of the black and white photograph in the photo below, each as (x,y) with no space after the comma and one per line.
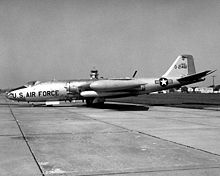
(109,87)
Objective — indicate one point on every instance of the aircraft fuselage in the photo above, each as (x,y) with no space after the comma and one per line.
(69,90)
(181,72)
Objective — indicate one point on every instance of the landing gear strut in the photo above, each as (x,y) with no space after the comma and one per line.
(89,101)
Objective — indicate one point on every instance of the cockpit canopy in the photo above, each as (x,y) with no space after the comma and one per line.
(17,88)
(28,84)
(32,83)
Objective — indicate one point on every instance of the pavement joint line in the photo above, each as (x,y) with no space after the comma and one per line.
(54,134)
(196,113)
(100,120)
(197,123)
(202,108)
(143,170)
(83,133)
(26,141)
(174,118)
(9,135)
(213,126)
(194,148)
(143,133)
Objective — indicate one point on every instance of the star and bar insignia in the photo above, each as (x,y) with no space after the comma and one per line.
(163,82)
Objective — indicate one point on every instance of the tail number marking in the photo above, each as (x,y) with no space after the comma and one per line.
(181,66)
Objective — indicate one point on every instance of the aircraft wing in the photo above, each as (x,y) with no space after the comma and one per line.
(115,85)
(195,77)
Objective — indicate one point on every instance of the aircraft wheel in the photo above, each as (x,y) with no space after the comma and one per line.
(89,101)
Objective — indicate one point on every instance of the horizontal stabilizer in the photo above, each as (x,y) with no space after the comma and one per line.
(196,76)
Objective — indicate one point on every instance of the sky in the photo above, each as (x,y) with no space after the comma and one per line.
(65,39)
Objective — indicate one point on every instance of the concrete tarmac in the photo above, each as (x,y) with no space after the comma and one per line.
(117,139)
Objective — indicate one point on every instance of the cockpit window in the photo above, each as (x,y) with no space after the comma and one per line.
(32,83)
(21,87)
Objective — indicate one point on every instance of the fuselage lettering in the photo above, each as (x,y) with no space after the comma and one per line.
(14,95)
(48,93)
(31,94)
(21,95)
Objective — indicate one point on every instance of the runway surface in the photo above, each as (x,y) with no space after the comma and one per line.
(117,139)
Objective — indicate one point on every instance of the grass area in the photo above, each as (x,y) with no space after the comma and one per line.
(191,100)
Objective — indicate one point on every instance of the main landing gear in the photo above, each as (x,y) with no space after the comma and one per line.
(94,102)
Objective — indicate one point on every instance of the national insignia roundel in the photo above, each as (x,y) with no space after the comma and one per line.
(163,82)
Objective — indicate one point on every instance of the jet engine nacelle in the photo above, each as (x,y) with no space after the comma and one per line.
(72,88)
(76,87)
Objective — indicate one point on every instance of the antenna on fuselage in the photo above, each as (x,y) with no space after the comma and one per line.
(134,74)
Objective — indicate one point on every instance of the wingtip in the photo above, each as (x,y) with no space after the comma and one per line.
(211,71)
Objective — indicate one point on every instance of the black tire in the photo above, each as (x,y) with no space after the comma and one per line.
(89,101)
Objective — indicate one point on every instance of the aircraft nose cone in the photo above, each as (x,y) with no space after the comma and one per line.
(9,95)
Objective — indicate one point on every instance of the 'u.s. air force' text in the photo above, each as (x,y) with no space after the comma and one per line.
(51,93)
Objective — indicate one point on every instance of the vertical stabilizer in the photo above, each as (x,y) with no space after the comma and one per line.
(182,66)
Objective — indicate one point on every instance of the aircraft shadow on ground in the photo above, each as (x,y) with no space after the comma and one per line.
(122,107)
(17,105)
(112,106)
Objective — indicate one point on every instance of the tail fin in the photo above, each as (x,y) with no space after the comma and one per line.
(182,66)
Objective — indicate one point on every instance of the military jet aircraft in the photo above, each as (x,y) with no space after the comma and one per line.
(96,91)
